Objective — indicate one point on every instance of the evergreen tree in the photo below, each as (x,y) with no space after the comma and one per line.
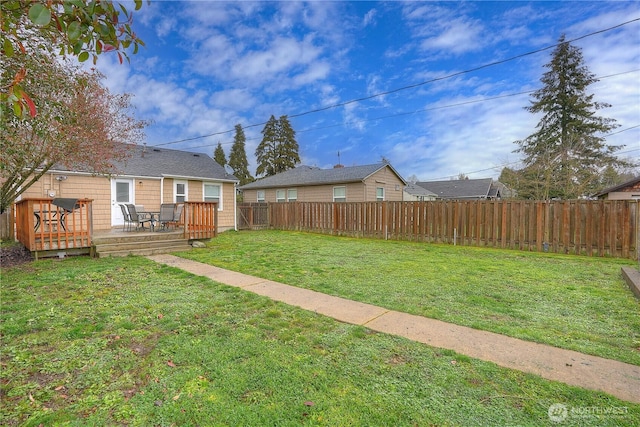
(278,150)
(238,157)
(218,155)
(566,154)
(266,150)
(288,156)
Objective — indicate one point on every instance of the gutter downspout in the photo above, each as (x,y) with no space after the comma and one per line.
(162,190)
(235,207)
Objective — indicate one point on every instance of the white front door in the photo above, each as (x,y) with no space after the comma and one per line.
(121,192)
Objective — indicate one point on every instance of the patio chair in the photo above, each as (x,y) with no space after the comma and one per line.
(127,218)
(176,219)
(166,215)
(136,219)
(177,214)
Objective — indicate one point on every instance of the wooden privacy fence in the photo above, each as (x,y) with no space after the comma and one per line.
(588,227)
(253,216)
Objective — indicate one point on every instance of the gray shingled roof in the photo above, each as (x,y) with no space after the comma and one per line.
(416,190)
(162,162)
(459,188)
(311,175)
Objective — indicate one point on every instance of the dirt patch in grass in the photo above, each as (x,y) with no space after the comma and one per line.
(14,254)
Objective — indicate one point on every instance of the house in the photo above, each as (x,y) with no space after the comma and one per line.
(415,193)
(466,189)
(366,183)
(625,191)
(150,177)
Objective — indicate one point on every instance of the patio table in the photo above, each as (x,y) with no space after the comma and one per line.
(50,217)
(153,215)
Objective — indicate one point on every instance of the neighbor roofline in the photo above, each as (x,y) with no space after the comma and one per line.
(198,178)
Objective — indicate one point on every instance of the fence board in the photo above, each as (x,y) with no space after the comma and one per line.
(601,227)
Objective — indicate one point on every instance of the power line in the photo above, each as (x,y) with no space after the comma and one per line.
(518,161)
(412,86)
(407,113)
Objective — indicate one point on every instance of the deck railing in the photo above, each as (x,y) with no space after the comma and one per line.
(43,226)
(200,220)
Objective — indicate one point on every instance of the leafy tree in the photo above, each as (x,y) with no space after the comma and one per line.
(238,157)
(83,29)
(612,176)
(218,155)
(79,124)
(566,154)
(278,150)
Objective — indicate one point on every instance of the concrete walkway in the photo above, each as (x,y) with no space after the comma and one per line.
(610,376)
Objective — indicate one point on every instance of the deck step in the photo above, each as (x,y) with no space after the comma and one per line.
(102,253)
(140,244)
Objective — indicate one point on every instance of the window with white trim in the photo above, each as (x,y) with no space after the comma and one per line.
(280,196)
(180,190)
(292,195)
(213,193)
(380,194)
(339,194)
(260,196)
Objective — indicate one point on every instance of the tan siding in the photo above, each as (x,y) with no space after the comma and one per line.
(167,192)
(356,191)
(147,193)
(96,188)
(386,179)
(226,217)
(623,195)
(250,196)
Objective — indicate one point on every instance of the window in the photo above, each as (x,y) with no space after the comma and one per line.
(180,191)
(339,194)
(292,195)
(122,192)
(280,196)
(213,193)
(380,194)
(260,198)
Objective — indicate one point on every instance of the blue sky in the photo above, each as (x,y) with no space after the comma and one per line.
(209,65)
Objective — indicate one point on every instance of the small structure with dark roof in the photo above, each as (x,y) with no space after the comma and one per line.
(626,191)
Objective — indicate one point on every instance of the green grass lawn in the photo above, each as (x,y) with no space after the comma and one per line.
(572,302)
(125,341)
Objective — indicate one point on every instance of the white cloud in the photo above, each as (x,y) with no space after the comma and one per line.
(369,18)
(456,37)
(233,99)
(351,119)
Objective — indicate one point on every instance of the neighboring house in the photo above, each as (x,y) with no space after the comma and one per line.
(149,177)
(625,191)
(367,183)
(466,189)
(415,193)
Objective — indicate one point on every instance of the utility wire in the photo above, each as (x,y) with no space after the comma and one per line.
(519,161)
(408,113)
(459,73)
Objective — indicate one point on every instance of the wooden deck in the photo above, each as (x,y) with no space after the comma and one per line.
(48,230)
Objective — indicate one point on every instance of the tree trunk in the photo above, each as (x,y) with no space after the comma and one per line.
(7,225)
